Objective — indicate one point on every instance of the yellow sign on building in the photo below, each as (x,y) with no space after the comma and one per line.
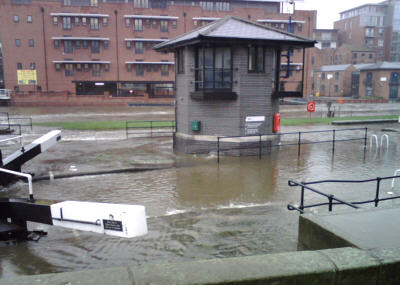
(26,77)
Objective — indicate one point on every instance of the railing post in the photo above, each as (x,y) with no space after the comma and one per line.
(302,197)
(218,149)
(259,149)
(151,129)
(299,143)
(333,141)
(378,183)
(126,129)
(330,198)
(365,138)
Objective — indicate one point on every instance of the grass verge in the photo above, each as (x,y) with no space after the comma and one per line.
(113,125)
(105,125)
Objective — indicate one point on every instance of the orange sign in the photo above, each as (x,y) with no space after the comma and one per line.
(311,106)
(340,101)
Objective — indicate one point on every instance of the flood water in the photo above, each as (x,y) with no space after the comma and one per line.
(197,209)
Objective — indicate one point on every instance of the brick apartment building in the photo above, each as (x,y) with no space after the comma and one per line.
(374,26)
(104,47)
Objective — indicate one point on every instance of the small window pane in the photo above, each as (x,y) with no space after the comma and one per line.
(29,19)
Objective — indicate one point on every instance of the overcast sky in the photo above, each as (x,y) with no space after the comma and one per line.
(328,11)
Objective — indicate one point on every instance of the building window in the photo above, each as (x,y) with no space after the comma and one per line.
(77,21)
(85,44)
(106,44)
(78,44)
(380,43)
(31,42)
(67,2)
(95,47)
(105,22)
(139,47)
(78,67)
(141,3)
(180,59)
(107,67)
(149,68)
(323,76)
(94,23)
(17,42)
(16,18)
(370,56)
(19,65)
(129,67)
(148,45)
(127,22)
(322,88)
(67,23)
(207,5)
(336,88)
(56,43)
(148,23)
(164,26)
(96,69)
(58,67)
(174,24)
(86,67)
(214,68)
(300,27)
(69,69)
(32,65)
(354,55)
(336,75)
(195,24)
(68,48)
(368,82)
(256,59)
(93,3)
(139,69)
(29,19)
(128,44)
(138,26)
(55,20)
(84,21)
(164,70)
(222,6)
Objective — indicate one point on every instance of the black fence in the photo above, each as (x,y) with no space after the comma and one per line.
(150,129)
(332,200)
(5,118)
(259,141)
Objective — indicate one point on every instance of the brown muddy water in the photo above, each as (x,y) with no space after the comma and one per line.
(197,209)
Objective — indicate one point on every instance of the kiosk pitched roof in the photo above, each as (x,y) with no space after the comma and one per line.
(236,29)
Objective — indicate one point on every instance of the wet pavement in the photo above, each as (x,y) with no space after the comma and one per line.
(198,209)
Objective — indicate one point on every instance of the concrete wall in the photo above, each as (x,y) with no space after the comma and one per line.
(347,266)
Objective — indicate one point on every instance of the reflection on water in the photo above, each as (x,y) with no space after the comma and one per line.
(198,209)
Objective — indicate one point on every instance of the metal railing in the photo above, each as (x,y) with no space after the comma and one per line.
(253,138)
(11,120)
(332,200)
(152,129)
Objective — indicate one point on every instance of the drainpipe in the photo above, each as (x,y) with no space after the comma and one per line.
(117,50)
(44,50)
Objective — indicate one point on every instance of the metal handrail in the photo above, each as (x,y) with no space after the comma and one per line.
(21,174)
(151,125)
(299,140)
(331,198)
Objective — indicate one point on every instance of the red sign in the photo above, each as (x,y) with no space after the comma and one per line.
(311,106)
